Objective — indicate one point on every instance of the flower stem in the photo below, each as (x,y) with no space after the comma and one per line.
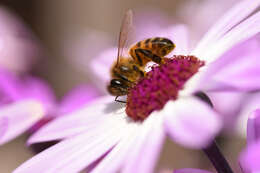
(217,158)
(212,151)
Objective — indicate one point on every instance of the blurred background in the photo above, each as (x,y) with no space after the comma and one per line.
(63,28)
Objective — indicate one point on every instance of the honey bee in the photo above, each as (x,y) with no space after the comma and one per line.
(128,70)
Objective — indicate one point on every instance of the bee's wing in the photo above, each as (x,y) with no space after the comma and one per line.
(125,31)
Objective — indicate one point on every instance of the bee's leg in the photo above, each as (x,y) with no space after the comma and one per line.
(120,101)
(149,55)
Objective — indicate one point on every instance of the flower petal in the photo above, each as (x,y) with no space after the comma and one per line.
(19,49)
(191,170)
(82,46)
(76,153)
(242,32)
(101,66)
(114,159)
(180,37)
(77,98)
(249,158)
(225,23)
(221,102)
(76,122)
(191,122)
(253,127)
(18,117)
(250,105)
(9,85)
(38,89)
(235,63)
(148,143)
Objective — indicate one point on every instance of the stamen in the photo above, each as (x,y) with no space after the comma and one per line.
(160,85)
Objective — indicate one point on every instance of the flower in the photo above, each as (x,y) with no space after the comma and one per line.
(19,49)
(102,133)
(27,103)
(23,103)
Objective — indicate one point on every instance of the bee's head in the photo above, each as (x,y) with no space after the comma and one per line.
(118,87)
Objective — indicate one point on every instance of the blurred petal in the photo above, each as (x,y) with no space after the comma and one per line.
(18,117)
(234,16)
(251,104)
(87,118)
(74,154)
(193,126)
(77,98)
(235,63)
(242,32)
(191,170)
(221,102)
(9,86)
(249,158)
(253,127)
(38,89)
(180,36)
(100,67)
(245,73)
(82,46)
(19,49)
(144,154)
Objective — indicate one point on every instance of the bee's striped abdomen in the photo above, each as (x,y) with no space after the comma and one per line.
(151,49)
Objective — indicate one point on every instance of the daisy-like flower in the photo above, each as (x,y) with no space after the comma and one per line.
(23,103)
(27,103)
(114,136)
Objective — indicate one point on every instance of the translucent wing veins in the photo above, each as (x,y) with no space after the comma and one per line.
(126,28)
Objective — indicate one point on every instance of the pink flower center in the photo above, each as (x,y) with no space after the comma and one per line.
(160,85)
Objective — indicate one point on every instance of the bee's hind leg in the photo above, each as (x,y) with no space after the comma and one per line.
(120,101)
